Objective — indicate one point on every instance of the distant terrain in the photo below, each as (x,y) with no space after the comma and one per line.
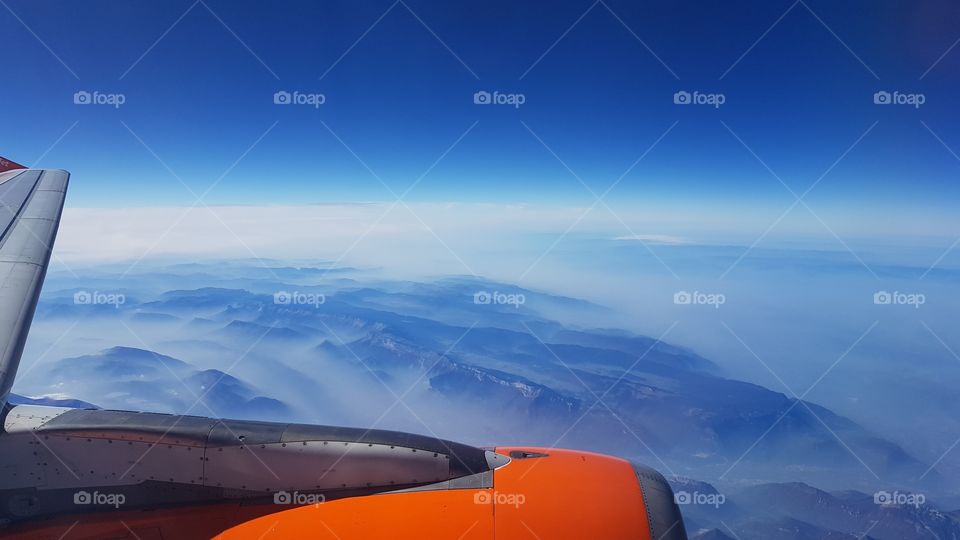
(481,362)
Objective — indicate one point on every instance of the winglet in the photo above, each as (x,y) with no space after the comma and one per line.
(7,165)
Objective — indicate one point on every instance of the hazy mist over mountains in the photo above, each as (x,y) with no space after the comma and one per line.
(491,363)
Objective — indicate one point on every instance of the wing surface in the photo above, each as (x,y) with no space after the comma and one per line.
(31,202)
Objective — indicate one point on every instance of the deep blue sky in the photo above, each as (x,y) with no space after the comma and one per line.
(199,98)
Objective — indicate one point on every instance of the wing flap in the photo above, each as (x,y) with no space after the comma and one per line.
(31,203)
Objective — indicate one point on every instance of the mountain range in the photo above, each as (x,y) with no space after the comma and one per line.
(284,343)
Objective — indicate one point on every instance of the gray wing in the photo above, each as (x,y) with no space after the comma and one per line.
(31,202)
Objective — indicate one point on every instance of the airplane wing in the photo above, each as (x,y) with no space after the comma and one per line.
(31,202)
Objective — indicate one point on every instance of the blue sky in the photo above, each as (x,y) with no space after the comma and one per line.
(399,79)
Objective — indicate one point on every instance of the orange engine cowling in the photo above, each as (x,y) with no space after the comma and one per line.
(541,493)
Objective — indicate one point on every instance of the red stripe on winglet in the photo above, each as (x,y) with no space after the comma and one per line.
(7,165)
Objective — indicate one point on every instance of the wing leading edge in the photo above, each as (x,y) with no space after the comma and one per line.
(31,202)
